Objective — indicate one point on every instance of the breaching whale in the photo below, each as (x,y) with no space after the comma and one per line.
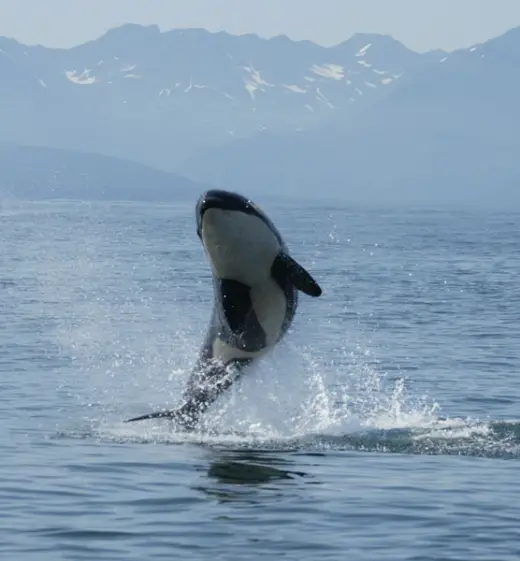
(255,296)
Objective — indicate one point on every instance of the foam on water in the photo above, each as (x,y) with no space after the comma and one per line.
(294,400)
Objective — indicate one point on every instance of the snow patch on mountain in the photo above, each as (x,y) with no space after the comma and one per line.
(294,88)
(83,79)
(332,71)
(363,50)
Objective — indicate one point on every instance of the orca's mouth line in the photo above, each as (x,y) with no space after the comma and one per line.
(209,199)
(223,201)
(226,200)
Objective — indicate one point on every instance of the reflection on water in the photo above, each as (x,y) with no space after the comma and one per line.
(245,475)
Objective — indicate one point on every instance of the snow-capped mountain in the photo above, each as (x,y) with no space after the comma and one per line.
(156,97)
(446,132)
(368,118)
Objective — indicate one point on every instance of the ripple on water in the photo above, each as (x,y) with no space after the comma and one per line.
(332,449)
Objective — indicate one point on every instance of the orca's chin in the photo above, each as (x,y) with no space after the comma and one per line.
(222,200)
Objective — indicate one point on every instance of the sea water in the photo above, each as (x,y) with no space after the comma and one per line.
(386,426)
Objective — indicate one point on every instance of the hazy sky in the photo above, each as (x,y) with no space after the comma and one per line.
(419,24)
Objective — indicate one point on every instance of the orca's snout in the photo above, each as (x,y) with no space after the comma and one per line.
(223,200)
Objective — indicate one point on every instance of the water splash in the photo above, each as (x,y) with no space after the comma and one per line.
(131,346)
(294,400)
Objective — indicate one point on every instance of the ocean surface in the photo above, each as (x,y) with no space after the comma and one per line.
(385,427)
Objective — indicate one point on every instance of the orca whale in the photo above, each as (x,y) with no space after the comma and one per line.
(255,297)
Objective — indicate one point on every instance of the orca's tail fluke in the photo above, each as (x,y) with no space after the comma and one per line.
(186,417)
(172,414)
(198,399)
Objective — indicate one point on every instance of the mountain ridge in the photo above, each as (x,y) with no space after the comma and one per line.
(445,131)
(41,173)
(275,114)
(181,90)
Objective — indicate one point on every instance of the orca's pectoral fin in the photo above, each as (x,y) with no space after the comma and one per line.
(172,414)
(285,265)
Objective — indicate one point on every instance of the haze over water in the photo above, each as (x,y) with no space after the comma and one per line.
(332,448)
